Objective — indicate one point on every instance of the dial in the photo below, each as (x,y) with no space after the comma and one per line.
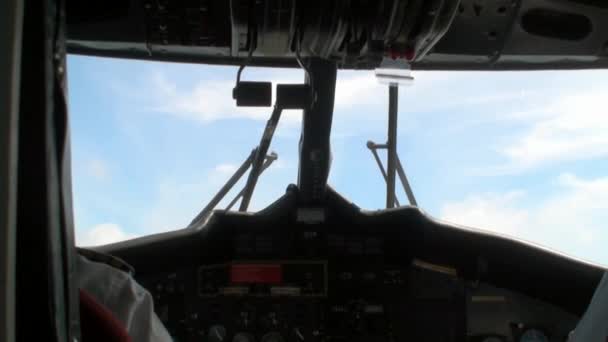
(533,335)
(217,333)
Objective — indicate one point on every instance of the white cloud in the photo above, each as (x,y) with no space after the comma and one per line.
(358,94)
(361,88)
(282,164)
(573,220)
(178,201)
(102,234)
(226,168)
(203,103)
(210,101)
(572,128)
(496,212)
(98,169)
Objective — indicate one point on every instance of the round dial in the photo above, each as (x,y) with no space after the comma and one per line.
(533,335)
(217,333)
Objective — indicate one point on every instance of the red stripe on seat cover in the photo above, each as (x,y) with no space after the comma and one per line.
(98,324)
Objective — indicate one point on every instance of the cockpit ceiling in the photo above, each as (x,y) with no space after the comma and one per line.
(357,34)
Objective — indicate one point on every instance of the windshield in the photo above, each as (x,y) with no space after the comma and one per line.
(519,153)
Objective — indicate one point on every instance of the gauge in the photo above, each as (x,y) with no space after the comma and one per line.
(533,335)
(217,333)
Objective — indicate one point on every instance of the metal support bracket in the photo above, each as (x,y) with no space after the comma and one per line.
(260,155)
(373,147)
(202,216)
(393,166)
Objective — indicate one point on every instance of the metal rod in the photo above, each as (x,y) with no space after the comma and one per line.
(258,160)
(406,184)
(224,190)
(391,145)
(380,166)
(269,160)
(235,199)
(373,145)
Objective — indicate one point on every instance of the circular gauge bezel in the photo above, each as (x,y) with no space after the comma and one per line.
(529,328)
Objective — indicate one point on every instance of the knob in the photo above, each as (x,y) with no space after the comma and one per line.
(217,333)
(272,336)
(243,337)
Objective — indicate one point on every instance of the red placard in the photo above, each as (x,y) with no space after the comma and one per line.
(256,273)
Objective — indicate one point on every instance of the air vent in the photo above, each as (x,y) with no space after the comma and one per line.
(554,24)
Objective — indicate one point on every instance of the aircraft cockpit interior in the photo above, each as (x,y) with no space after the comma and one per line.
(312,266)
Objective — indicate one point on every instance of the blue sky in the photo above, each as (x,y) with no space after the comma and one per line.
(520,153)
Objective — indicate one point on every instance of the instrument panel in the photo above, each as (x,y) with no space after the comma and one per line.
(361,288)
